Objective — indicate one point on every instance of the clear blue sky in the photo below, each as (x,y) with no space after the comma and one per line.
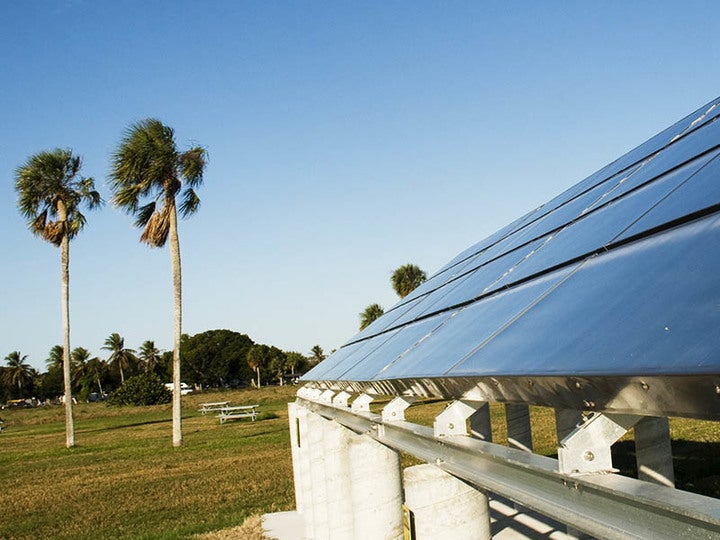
(345,139)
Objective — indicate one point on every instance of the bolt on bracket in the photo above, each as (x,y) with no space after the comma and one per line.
(453,420)
(586,450)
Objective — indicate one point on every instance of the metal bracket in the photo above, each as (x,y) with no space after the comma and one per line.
(341,399)
(309,393)
(362,403)
(453,420)
(395,410)
(586,450)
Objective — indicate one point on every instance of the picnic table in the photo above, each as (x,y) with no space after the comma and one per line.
(213,406)
(238,411)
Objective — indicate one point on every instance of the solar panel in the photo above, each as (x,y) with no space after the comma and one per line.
(607,297)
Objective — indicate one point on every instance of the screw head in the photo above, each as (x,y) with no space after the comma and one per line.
(588,456)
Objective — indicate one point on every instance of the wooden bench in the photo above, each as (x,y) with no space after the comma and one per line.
(239,411)
(213,406)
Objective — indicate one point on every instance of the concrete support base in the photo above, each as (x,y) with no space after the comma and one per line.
(349,486)
(444,506)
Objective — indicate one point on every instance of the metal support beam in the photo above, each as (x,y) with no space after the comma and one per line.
(519,431)
(653,451)
(566,420)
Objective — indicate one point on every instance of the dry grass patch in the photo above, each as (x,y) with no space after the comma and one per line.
(251,529)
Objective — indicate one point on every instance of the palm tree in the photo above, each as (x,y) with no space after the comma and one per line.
(51,193)
(119,355)
(294,360)
(18,372)
(98,368)
(407,278)
(55,357)
(79,358)
(316,355)
(372,312)
(257,359)
(147,166)
(149,355)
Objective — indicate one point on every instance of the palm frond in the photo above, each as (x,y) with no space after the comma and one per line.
(144,213)
(190,203)
(53,232)
(157,229)
(38,224)
(76,224)
(127,198)
(192,165)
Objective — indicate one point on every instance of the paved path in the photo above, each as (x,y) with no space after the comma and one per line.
(507,524)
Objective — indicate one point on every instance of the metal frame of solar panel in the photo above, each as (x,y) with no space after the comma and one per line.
(605,298)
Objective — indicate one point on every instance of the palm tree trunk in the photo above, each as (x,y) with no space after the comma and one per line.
(177,289)
(65,264)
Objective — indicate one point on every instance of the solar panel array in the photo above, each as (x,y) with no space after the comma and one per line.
(617,276)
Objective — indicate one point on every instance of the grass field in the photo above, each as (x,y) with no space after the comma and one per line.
(125,480)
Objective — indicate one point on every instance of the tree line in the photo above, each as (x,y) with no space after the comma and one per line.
(212,359)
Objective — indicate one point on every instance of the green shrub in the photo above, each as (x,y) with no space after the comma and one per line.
(143,389)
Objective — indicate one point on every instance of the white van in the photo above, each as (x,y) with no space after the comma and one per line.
(185,388)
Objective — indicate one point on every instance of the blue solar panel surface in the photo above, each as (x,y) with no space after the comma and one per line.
(617,276)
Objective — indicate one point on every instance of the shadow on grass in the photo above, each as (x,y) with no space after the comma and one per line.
(123,426)
(696,464)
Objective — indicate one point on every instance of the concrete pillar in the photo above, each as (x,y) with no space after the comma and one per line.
(303,471)
(336,445)
(316,518)
(566,420)
(653,451)
(294,424)
(376,486)
(518,427)
(444,506)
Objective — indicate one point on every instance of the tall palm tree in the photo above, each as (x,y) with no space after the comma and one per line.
(18,372)
(119,355)
(147,166)
(51,193)
(372,312)
(407,278)
(149,355)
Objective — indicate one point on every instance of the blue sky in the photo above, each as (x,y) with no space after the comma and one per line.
(345,139)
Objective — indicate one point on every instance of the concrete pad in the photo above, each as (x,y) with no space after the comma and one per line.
(284,526)
(508,523)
